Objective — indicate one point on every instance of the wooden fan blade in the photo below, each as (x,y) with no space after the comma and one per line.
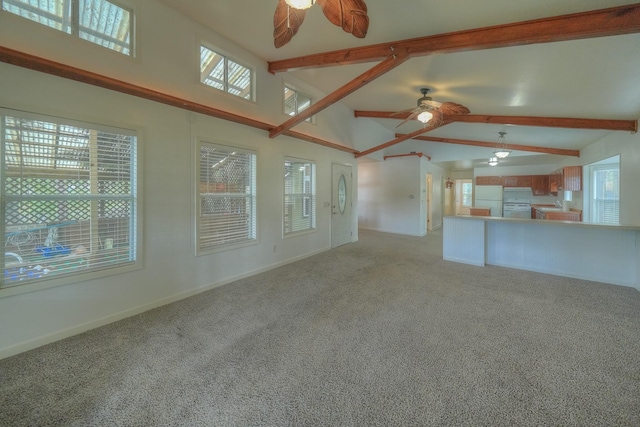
(433,104)
(450,108)
(351,15)
(286,22)
(403,112)
(412,116)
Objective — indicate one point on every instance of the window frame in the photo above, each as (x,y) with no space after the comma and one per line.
(226,58)
(311,195)
(136,224)
(611,163)
(297,111)
(70,25)
(223,247)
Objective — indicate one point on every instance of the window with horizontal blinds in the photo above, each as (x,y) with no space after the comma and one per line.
(605,193)
(226,187)
(299,195)
(224,74)
(69,198)
(98,21)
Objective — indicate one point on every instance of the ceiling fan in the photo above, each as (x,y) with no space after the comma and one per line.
(351,15)
(430,111)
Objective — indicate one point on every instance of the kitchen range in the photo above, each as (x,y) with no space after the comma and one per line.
(516,208)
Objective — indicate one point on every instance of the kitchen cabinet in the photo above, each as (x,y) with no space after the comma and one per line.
(568,178)
(517,181)
(488,180)
(558,215)
(540,185)
(480,211)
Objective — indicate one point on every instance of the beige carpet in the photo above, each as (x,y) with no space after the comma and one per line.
(381,332)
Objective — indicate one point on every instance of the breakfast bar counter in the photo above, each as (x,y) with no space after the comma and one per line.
(599,252)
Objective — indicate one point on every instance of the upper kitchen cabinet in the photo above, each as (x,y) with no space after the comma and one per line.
(488,180)
(517,181)
(540,185)
(568,178)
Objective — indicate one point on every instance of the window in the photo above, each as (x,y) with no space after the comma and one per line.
(467,194)
(605,191)
(227,197)
(299,195)
(69,195)
(295,102)
(222,73)
(98,21)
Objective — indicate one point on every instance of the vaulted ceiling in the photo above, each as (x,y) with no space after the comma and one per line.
(559,69)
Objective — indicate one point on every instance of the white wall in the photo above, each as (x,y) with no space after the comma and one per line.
(167,139)
(392,195)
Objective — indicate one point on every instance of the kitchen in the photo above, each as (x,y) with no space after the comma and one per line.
(556,196)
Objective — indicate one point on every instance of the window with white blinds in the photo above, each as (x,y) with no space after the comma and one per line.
(299,195)
(226,188)
(224,74)
(605,193)
(98,21)
(69,198)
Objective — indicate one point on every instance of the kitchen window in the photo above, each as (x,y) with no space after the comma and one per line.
(99,21)
(605,191)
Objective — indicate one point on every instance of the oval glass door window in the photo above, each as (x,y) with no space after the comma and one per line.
(342,194)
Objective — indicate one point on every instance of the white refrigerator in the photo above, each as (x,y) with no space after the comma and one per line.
(489,196)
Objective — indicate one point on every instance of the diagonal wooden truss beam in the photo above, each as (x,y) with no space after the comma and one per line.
(47,66)
(400,138)
(385,66)
(546,150)
(557,122)
(597,23)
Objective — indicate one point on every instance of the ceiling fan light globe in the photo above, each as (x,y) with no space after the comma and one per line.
(501,153)
(425,116)
(493,161)
(300,4)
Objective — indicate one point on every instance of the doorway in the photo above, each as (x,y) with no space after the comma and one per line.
(341,204)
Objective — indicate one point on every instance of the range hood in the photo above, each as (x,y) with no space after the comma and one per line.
(517,188)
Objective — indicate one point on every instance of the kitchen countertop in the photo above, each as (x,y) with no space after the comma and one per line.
(547,222)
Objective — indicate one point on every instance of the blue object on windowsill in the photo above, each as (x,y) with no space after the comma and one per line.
(52,251)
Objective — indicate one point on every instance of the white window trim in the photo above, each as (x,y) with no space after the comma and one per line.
(291,87)
(314,228)
(227,56)
(196,199)
(139,224)
(588,185)
(75,28)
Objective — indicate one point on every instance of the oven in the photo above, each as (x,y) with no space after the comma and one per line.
(516,208)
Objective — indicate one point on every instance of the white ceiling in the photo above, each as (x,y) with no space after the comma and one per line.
(591,78)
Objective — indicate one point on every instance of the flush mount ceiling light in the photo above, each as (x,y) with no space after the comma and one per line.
(493,161)
(502,152)
(300,4)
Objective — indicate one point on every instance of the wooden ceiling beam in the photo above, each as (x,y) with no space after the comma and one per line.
(531,148)
(557,122)
(383,67)
(597,23)
(36,63)
(401,138)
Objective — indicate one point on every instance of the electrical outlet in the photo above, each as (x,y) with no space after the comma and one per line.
(275,248)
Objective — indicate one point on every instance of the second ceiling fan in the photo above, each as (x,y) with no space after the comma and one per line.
(430,111)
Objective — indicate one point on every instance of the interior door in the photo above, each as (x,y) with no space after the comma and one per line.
(341,205)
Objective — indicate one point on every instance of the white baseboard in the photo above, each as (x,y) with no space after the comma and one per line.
(96,323)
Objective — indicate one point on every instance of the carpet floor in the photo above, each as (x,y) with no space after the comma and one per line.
(381,332)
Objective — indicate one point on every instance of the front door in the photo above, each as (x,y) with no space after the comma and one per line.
(341,205)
